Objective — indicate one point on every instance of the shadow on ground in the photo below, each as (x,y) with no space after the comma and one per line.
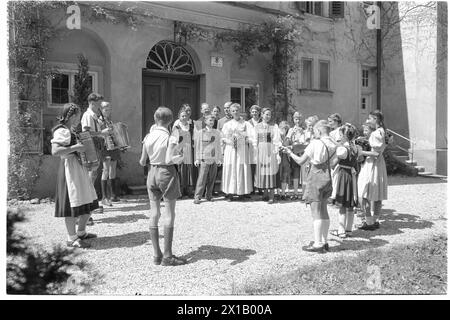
(128,240)
(208,252)
(140,207)
(392,223)
(129,218)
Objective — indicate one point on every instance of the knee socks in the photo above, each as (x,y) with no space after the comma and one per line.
(154,236)
(325,228)
(168,238)
(349,220)
(318,226)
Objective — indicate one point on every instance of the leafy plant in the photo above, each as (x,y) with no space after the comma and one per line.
(81,87)
(33,270)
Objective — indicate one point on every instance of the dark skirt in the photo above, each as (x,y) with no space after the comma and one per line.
(188,175)
(345,193)
(62,202)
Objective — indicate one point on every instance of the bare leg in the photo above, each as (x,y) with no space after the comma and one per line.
(349,220)
(295,183)
(342,220)
(71,228)
(376,207)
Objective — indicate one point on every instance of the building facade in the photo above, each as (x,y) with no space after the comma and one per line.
(139,70)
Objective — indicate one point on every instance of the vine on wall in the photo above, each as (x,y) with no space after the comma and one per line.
(31,28)
(280,37)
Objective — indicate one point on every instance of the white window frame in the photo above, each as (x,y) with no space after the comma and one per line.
(244,86)
(329,74)
(71,73)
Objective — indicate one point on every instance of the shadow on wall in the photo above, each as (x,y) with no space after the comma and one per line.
(393,86)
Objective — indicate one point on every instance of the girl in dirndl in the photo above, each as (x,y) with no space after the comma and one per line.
(267,140)
(345,180)
(184,133)
(285,164)
(236,170)
(75,193)
(321,155)
(372,180)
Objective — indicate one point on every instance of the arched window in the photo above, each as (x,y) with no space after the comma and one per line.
(167,56)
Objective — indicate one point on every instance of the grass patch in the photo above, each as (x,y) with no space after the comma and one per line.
(419,268)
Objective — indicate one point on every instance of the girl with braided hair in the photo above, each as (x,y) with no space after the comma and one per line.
(345,179)
(75,193)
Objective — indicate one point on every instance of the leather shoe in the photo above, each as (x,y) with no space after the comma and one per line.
(367,227)
(173,261)
(312,248)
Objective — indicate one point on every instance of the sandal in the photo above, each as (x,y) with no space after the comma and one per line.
(172,261)
(87,236)
(157,260)
(337,234)
(78,243)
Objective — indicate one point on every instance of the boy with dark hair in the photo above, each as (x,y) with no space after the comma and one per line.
(90,122)
(162,182)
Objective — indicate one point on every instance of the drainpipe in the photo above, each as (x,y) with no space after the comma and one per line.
(379,53)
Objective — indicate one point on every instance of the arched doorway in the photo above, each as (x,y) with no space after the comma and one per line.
(169,80)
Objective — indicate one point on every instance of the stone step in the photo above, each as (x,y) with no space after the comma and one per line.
(138,190)
(420,168)
(432,175)
(411,162)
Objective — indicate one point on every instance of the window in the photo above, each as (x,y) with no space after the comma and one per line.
(245,95)
(307,78)
(324,75)
(336,9)
(60,86)
(365,78)
(363,103)
(314,7)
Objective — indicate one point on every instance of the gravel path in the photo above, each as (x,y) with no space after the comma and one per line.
(230,244)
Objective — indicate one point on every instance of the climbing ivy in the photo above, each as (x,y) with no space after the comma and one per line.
(280,37)
(32,26)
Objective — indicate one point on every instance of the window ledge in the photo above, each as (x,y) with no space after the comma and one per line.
(318,18)
(315,92)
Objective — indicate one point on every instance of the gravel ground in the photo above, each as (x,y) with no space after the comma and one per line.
(231,244)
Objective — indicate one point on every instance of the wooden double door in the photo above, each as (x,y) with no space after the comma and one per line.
(168,90)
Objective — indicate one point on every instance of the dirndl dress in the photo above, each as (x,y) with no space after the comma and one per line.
(372,180)
(75,194)
(345,181)
(186,170)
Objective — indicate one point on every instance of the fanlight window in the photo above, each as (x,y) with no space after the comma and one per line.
(167,56)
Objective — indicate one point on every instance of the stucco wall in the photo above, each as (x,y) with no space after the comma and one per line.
(409,86)
(122,53)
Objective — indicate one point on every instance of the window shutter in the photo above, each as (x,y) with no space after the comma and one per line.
(301,6)
(336,9)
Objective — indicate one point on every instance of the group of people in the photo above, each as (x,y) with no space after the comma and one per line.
(328,159)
